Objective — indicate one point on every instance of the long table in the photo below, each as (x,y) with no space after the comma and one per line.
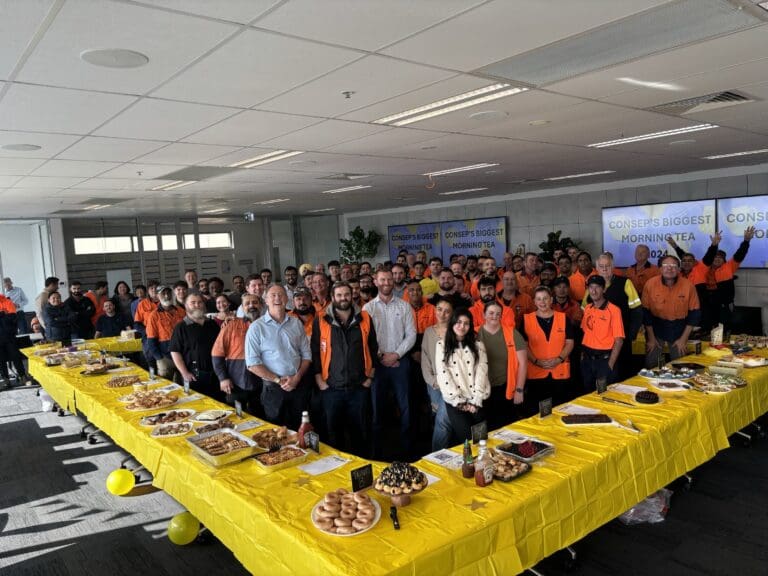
(595,474)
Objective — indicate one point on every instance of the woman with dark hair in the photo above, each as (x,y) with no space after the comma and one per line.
(123,299)
(223,309)
(550,341)
(462,374)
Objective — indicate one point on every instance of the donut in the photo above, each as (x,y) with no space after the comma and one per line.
(346,530)
(332,498)
(324,523)
(342,522)
(361,523)
(364,513)
(334,508)
(361,497)
(347,498)
(342,491)
(348,514)
(323,513)
(396,491)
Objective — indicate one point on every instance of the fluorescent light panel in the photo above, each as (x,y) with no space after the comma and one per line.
(320,210)
(347,189)
(465,191)
(173,185)
(257,158)
(734,154)
(446,105)
(460,169)
(653,135)
(265,158)
(583,175)
(215,211)
(275,201)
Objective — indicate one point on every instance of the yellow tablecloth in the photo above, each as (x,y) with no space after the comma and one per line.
(595,474)
(116,344)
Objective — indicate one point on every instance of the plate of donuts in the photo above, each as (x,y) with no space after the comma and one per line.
(344,513)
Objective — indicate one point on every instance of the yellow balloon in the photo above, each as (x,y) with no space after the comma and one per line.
(120,482)
(183,529)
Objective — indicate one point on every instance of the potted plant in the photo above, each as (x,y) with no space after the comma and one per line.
(360,245)
(555,242)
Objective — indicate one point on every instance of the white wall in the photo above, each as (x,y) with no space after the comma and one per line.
(21,256)
(319,239)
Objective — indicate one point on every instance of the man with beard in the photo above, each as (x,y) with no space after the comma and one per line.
(254,285)
(235,295)
(398,277)
(365,269)
(343,348)
(396,335)
(191,346)
(423,314)
(447,283)
(290,283)
(489,271)
(228,356)
(472,268)
(518,263)
(366,281)
(303,308)
(320,292)
(266,277)
(354,284)
(98,296)
(528,277)
(573,254)
(41,302)
(83,310)
(203,289)
(277,351)
(140,318)
(578,280)
(486,288)
(457,268)
(110,323)
(160,325)
(514,303)
(548,275)
(564,265)
(238,285)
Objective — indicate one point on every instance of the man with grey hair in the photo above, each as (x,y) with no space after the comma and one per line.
(191,346)
(19,299)
(642,270)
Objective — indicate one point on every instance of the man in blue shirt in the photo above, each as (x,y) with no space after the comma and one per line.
(277,351)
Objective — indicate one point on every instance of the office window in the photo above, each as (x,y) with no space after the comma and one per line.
(108,245)
(216,240)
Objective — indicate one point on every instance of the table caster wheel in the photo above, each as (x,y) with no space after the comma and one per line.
(61,412)
(92,440)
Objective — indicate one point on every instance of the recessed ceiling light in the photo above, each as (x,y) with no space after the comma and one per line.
(489,115)
(460,169)
(261,159)
(582,175)
(446,105)
(466,190)
(320,210)
(654,85)
(214,211)
(347,189)
(682,142)
(275,201)
(734,154)
(173,185)
(114,58)
(653,135)
(539,122)
(21,147)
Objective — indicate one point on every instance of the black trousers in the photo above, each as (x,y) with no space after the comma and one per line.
(595,366)
(538,389)
(462,422)
(284,408)
(9,353)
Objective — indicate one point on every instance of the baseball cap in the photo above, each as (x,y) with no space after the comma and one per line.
(599,280)
(302,291)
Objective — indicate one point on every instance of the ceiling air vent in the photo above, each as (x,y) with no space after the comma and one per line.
(703,103)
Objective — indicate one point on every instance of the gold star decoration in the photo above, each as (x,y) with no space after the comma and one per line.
(303,481)
(476,505)
(573,434)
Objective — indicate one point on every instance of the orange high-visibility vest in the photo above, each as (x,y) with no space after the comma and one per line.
(543,348)
(325,344)
(512,362)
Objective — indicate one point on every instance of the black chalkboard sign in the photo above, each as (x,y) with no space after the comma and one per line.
(362,478)
(312,441)
(545,407)
(479,432)
(602,385)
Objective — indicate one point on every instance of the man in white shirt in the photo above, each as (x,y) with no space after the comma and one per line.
(396,334)
(19,299)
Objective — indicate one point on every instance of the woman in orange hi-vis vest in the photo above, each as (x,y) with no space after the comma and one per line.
(507,366)
(550,341)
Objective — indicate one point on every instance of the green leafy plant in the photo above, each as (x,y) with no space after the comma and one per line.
(555,242)
(360,245)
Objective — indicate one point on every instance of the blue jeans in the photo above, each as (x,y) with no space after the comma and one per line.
(395,379)
(441,434)
(345,413)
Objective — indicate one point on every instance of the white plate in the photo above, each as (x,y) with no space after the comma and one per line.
(209,416)
(128,398)
(376,518)
(156,430)
(144,421)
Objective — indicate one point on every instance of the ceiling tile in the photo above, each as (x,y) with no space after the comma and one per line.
(170,41)
(48,181)
(18,23)
(500,29)
(186,154)
(46,109)
(324,134)
(19,166)
(254,66)
(111,184)
(371,79)
(163,120)
(251,127)
(8,181)
(241,11)
(75,168)
(147,171)
(109,149)
(389,143)
(50,144)
(366,25)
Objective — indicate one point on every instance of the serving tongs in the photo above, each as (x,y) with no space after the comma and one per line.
(615,401)
(393,515)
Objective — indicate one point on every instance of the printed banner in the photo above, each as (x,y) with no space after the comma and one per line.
(414,237)
(690,223)
(736,214)
(474,236)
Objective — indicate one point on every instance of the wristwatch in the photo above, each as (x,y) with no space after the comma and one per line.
(521,390)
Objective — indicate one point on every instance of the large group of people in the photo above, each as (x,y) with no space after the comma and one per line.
(420,342)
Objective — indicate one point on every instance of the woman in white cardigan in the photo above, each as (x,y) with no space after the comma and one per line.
(462,374)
